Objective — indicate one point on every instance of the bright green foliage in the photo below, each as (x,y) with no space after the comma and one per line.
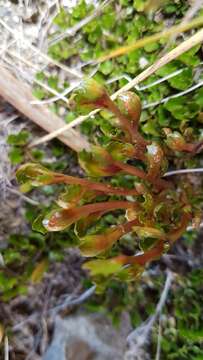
(17,142)
(112,29)
(19,139)
(15,155)
(181,112)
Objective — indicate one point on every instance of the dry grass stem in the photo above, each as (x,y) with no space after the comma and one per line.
(37,51)
(153,38)
(73,30)
(173,54)
(6,348)
(183,171)
(182,93)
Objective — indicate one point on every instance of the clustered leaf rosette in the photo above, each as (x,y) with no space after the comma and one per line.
(152,212)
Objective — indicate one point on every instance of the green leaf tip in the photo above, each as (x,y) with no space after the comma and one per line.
(103,267)
(89,95)
(34,175)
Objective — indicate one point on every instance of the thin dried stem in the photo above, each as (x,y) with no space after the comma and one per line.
(158,350)
(182,93)
(74,29)
(70,301)
(6,348)
(194,8)
(24,197)
(153,38)
(79,120)
(70,71)
(140,335)
(173,54)
(183,171)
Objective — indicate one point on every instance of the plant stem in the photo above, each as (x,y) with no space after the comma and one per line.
(149,255)
(106,188)
(158,183)
(176,234)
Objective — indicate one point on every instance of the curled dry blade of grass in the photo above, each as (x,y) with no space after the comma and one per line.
(155,210)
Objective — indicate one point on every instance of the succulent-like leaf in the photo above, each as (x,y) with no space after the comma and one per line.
(34,175)
(120,151)
(103,267)
(141,259)
(144,232)
(71,196)
(148,203)
(37,224)
(130,106)
(85,223)
(90,95)
(176,142)
(156,161)
(97,162)
(180,229)
(131,214)
(75,194)
(93,245)
(60,219)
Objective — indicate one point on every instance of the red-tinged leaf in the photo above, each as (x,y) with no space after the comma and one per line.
(34,175)
(131,214)
(60,219)
(130,105)
(89,95)
(85,223)
(97,162)
(156,162)
(120,151)
(75,194)
(93,245)
(180,229)
(176,142)
(144,258)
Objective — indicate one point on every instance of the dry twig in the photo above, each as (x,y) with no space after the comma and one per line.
(139,337)
(20,96)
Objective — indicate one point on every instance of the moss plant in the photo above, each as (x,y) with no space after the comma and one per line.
(153,210)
